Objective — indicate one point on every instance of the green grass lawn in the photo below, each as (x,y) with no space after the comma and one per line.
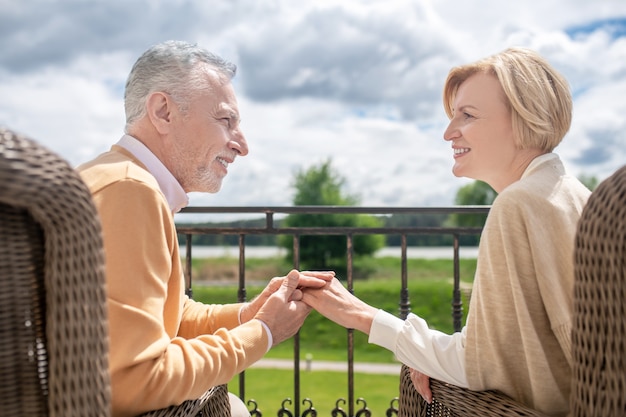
(324,390)
(430,292)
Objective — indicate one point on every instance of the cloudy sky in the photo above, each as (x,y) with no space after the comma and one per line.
(355,81)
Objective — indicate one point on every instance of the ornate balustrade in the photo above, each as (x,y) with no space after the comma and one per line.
(356,407)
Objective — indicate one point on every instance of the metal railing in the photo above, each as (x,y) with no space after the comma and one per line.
(269,228)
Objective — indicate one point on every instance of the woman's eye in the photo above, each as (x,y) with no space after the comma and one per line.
(467,115)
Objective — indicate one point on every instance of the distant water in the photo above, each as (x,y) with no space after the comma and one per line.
(434,252)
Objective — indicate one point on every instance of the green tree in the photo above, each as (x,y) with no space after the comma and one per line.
(590,182)
(477,193)
(322,186)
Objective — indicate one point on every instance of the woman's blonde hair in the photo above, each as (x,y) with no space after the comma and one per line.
(538,96)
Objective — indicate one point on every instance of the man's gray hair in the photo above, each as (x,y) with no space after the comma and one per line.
(173,67)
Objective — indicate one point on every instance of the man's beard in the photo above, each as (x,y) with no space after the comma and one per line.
(206,181)
(194,178)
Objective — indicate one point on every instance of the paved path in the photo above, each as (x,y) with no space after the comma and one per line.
(315,365)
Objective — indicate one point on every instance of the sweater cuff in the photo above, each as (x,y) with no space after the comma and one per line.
(385,329)
(270,339)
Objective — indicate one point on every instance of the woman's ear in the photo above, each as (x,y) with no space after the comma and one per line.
(159,110)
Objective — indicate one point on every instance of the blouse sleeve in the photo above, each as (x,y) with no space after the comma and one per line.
(436,354)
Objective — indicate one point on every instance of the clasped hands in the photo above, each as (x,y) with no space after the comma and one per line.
(299,292)
(286,301)
(280,304)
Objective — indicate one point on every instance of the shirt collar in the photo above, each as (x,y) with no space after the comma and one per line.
(538,161)
(170,187)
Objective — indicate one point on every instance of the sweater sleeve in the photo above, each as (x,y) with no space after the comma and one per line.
(199,318)
(436,354)
(153,365)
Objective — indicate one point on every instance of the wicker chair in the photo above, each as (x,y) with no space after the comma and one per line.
(53,322)
(452,401)
(213,403)
(599,325)
(599,330)
(52,309)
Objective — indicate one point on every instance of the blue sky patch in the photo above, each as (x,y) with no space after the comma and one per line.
(615,26)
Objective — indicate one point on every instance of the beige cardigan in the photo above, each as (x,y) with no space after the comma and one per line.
(164,348)
(519,320)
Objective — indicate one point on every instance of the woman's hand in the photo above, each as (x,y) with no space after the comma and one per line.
(336,303)
(421,383)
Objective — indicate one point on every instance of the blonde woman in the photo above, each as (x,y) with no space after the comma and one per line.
(507,114)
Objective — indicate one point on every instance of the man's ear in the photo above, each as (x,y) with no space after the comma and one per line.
(159,108)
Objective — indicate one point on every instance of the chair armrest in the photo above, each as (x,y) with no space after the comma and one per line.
(453,401)
(213,403)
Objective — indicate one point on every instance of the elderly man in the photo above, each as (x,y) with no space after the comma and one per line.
(182,133)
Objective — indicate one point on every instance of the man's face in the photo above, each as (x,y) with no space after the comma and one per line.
(207,138)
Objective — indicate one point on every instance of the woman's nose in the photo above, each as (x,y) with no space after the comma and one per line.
(451,132)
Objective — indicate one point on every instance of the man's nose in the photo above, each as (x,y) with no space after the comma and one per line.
(240,144)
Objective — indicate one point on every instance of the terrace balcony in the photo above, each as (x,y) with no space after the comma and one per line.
(298,403)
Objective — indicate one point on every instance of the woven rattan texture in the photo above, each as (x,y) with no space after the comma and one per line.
(214,403)
(22,310)
(453,401)
(55,326)
(599,335)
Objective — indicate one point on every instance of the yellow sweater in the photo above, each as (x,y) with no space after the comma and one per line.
(519,321)
(164,347)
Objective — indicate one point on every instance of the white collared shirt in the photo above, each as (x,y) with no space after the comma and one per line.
(170,187)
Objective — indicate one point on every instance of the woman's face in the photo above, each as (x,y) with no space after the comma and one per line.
(481,133)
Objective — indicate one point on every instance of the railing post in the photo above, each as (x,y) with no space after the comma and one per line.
(242,297)
(296,337)
(188,289)
(405,302)
(350,277)
(457,303)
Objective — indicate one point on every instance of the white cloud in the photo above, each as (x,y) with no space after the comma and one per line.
(355,81)
(73,110)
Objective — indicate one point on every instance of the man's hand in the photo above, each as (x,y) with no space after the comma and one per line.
(281,312)
(422,384)
(306,279)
